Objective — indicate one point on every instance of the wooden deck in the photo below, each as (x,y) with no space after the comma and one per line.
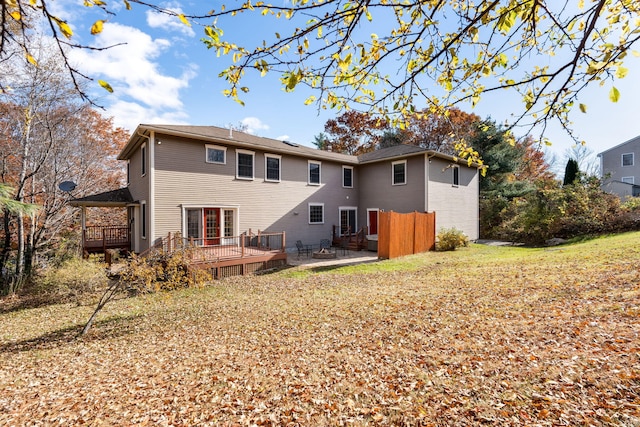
(97,239)
(239,255)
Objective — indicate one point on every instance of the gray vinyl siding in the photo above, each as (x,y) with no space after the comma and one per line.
(378,192)
(139,188)
(612,169)
(182,177)
(455,206)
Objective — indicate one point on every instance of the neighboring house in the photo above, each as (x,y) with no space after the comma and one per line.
(620,168)
(211,184)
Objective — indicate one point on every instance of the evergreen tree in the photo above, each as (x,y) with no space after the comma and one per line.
(571,172)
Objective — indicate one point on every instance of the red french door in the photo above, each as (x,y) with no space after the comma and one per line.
(211,221)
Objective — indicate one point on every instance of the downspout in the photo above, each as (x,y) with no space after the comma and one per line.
(426,180)
(152,188)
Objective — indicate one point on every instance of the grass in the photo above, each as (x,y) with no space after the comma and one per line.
(480,336)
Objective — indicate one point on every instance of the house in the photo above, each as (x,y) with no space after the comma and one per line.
(212,184)
(620,168)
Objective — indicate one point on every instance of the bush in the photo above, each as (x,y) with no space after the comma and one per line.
(161,272)
(71,280)
(449,239)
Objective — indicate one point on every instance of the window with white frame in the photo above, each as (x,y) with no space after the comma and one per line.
(456,176)
(272,167)
(399,172)
(628,179)
(244,164)
(347,176)
(316,213)
(314,172)
(143,219)
(216,154)
(143,164)
(627,159)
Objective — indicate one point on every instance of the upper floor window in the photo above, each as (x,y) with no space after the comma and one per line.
(244,164)
(399,172)
(216,154)
(627,159)
(314,172)
(272,167)
(143,164)
(347,176)
(456,176)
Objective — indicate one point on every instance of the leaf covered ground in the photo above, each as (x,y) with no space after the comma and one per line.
(481,336)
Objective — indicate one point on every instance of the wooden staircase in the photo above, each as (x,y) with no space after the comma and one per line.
(351,241)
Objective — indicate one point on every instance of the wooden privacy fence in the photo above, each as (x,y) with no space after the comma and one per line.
(405,234)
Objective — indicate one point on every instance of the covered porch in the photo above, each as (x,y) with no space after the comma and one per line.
(110,231)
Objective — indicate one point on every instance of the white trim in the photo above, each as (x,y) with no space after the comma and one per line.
(309,213)
(347,208)
(455,168)
(144,165)
(144,223)
(319,163)
(633,160)
(151,228)
(234,208)
(273,156)
(377,211)
(215,147)
(393,164)
(628,179)
(253,164)
(352,176)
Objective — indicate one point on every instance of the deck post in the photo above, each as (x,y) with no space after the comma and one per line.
(169,243)
(259,242)
(284,242)
(242,247)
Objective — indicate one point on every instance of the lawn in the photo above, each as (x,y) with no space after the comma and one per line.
(481,336)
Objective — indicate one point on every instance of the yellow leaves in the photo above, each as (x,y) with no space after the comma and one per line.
(184,20)
(614,94)
(310,100)
(15,14)
(31,59)
(583,108)
(621,72)
(97,27)
(63,27)
(106,86)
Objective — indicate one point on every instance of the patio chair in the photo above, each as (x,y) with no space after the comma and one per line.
(325,244)
(303,248)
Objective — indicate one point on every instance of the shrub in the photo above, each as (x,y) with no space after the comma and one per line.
(161,272)
(71,280)
(631,204)
(449,239)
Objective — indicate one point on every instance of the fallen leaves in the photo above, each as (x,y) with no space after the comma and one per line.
(514,337)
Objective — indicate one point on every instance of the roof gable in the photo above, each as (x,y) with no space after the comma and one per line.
(245,140)
(632,141)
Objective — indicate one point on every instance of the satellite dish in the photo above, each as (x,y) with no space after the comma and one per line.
(67,186)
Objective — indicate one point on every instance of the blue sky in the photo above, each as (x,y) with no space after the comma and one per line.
(165,74)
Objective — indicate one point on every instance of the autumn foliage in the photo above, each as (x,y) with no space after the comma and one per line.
(485,335)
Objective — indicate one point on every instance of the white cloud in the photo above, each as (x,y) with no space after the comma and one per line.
(129,115)
(283,138)
(167,22)
(131,68)
(254,124)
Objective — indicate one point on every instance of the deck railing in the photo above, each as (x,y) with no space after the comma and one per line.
(243,246)
(95,236)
